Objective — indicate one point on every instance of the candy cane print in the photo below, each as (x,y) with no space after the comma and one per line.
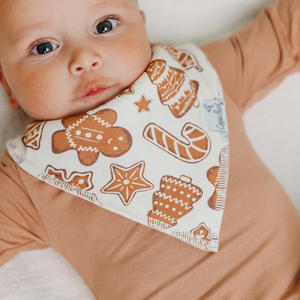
(196,149)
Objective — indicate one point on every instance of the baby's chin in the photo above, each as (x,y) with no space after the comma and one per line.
(52,116)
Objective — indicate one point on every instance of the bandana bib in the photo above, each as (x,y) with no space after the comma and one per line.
(156,154)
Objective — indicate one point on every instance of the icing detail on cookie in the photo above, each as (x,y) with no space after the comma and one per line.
(186,59)
(143,104)
(213,177)
(126,182)
(33,136)
(202,232)
(129,91)
(174,199)
(91,135)
(174,88)
(81,180)
(196,149)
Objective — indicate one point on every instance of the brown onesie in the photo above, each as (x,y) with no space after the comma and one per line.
(259,255)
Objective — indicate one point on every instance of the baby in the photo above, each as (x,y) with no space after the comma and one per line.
(62,59)
(69,62)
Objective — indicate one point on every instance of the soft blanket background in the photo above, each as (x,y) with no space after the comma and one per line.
(272,126)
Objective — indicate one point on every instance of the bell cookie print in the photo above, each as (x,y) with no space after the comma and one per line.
(194,150)
(186,59)
(174,88)
(126,182)
(33,136)
(91,135)
(80,180)
(174,199)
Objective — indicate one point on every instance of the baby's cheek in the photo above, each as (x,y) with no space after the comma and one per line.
(42,91)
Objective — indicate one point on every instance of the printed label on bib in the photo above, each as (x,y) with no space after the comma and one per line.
(214,115)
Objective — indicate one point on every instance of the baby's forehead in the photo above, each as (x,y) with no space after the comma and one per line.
(17,11)
(18,15)
(8,6)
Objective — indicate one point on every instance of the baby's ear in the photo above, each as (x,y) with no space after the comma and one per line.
(13,103)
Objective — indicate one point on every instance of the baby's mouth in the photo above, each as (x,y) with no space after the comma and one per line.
(95,91)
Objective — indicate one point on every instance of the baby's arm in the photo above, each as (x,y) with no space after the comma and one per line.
(20,226)
(257,58)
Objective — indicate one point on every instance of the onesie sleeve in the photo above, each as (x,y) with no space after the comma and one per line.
(20,225)
(256,59)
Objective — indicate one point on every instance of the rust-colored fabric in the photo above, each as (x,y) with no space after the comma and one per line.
(259,256)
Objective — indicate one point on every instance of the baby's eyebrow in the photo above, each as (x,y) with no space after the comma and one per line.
(107,4)
(26,31)
(22,34)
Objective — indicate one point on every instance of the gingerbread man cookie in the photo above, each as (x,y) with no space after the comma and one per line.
(174,88)
(197,148)
(174,200)
(213,178)
(91,135)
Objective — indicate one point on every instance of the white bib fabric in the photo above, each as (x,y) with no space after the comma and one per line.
(156,154)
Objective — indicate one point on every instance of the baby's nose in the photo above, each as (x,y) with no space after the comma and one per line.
(85,61)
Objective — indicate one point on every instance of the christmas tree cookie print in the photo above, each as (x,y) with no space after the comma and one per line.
(186,59)
(174,88)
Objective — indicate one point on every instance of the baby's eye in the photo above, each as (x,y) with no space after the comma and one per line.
(44,48)
(105,26)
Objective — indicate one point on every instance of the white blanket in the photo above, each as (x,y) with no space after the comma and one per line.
(45,274)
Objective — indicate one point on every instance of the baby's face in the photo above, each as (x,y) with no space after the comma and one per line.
(65,57)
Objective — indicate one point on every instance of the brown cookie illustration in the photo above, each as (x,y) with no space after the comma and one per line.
(77,179)
(213,177)
(143,104)
(196,149)
(174,88)
(186,59)
(174,200)
(202,232)
(91,135)
(33,136)
(126,182)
